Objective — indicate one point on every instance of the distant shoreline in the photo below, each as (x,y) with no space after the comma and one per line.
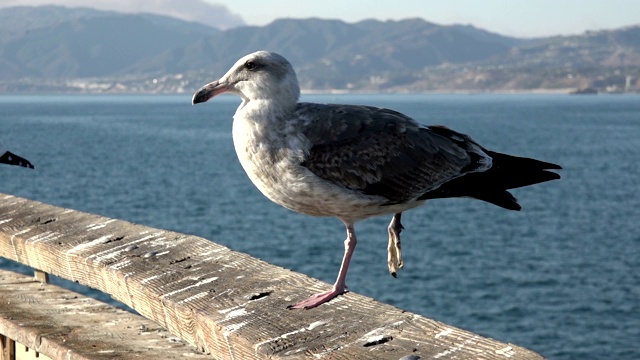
(569,91)
(462,92)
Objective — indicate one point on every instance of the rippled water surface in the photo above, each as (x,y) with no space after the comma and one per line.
(561,277)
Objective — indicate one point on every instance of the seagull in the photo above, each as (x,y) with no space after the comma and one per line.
(7,157)
(353,162)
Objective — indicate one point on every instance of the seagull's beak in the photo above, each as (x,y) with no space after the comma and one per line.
(210,90)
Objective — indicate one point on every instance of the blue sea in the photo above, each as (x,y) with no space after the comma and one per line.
(561,277)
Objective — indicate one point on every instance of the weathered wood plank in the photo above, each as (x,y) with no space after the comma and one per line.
(7,348)
(63,324)
(25,353)
(41,276)
(223,301)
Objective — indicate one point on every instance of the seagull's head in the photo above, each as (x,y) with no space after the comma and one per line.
(262,75)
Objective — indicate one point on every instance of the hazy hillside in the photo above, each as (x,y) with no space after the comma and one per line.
(87,43)
(333,54)
(20,20)
(77,49)
(605,60)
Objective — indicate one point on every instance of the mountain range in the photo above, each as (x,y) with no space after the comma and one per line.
(59,49)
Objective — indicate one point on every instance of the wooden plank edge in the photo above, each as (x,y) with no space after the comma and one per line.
(63,324)
(220,300)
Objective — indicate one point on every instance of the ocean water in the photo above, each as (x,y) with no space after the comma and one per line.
(561,277)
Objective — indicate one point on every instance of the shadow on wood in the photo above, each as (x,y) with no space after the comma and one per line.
(221,301)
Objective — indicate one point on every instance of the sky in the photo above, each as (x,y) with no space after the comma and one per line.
(527,18)
(521,18)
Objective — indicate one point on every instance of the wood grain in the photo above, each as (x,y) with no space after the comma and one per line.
(224,302)
(62,324)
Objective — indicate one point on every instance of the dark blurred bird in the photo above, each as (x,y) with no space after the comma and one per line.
(7,157)
(353,162)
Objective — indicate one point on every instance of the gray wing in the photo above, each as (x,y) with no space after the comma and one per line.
(383,152)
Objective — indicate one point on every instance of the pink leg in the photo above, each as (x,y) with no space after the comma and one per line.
(340,286)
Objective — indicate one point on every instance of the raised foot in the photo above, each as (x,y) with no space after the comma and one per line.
(394,250)
(317,299)
(394,258)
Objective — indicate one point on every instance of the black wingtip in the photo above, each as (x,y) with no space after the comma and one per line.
(550,166)
(10,158)
(553,175)
(501,198)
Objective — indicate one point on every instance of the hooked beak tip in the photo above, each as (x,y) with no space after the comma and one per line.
(199,98)
(208,91)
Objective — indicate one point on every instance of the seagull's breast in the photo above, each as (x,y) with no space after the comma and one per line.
(272,159)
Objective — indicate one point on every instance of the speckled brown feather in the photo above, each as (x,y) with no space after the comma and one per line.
(382,152)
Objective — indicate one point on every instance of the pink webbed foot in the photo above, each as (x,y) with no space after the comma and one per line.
(318,299)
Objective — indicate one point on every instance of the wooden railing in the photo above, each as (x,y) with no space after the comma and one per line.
(224,303)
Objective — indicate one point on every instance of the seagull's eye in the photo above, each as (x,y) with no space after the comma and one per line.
(250,65)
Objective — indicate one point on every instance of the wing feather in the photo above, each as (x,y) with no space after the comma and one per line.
(382,152)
